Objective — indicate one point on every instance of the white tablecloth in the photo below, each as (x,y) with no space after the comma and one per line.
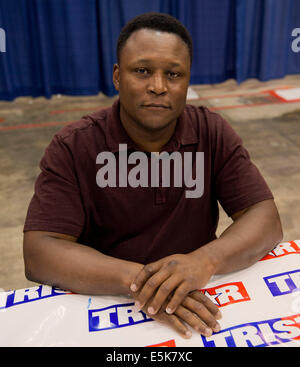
(260,307)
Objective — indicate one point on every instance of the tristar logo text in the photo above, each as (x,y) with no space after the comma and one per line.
(188,170)
(115,316)
(283,249)
(283,283)
(257,334)
(226,294)
(19,296)
(121,315)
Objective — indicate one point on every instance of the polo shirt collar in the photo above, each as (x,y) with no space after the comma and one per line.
(184,133)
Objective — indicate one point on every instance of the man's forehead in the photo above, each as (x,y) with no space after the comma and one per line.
(148,41)
(158,33)
(148,33)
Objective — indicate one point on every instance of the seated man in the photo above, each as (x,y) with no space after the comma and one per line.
(92,229)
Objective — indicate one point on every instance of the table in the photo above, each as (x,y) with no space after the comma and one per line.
(260,307)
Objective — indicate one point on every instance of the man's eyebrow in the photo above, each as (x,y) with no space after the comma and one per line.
(148,61)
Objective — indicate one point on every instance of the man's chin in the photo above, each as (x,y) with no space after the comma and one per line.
(155,125)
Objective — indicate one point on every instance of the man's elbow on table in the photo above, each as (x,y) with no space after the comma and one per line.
(30,241)
(278,231)
(262,223)
(36,250)
(272,228)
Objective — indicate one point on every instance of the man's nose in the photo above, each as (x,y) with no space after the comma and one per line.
(157,84)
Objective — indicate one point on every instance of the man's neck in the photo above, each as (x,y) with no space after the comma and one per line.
(150,146)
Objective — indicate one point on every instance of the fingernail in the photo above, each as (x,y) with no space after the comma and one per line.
(218,315)
(151,310)
(168,310)
(217,328)
(208,332)
(188,334)
(133,287)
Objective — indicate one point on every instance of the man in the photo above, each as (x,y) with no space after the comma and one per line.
(152,242)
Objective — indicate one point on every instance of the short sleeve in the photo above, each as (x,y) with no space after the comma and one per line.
(56,205)
(238,182)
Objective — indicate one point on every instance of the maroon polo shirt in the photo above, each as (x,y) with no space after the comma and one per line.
(141,224)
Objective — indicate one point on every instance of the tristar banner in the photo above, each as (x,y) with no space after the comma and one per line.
(260,307)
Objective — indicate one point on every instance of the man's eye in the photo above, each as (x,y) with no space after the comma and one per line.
(142,71)
(173,74)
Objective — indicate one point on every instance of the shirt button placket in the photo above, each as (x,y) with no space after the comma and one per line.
(160,192)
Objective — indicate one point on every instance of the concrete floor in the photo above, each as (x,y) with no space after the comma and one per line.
(270,130)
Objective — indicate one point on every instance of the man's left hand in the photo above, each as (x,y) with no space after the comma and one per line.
(176,274)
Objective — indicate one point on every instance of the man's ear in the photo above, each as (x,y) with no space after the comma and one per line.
(116,76)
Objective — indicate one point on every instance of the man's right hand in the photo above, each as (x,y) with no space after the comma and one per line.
(58,260)
(196,311)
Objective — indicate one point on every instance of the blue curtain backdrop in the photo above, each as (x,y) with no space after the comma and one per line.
(68,46)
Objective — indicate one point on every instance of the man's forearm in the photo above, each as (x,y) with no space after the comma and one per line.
(255,232)
(75,267)
(246,240)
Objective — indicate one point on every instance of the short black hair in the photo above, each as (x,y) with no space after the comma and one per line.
(156,21)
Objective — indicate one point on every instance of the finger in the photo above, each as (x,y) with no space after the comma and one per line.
(164,293)
(174,322)
(179,295)
(151,285)
(207,303)
(202,312)
(147,271)
(193,321)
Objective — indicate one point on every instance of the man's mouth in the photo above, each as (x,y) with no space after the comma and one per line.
(156,106)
